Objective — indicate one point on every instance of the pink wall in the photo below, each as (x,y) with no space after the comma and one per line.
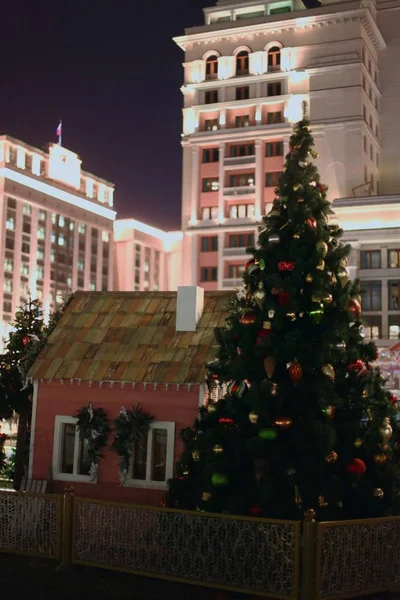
(208,259)
(208,199)
(208,116)
(172,405)
(209,170)
(237,112)
(209,286)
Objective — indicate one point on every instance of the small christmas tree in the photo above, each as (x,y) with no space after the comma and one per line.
(296,418)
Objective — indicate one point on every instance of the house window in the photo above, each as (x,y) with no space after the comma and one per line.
(211,97)
(274,149)
(242,63)
(7,306)
(241,211)
(244,179)
(208,213)
(272,179)
(373,325)
(10,223)
(209,244)
(210,155)
(372,295)
(11,203)
(394,259)
(394,295)
(241,240)
(8,286)
(26,209)
(370,259)
(24,268)
(235,271)
(71,461)
(210,184)
(9,265)
(209,274)
(211,124)
(212,67)
(152,461)
(274,59)
(394,327)
(274,117)
(242,150)
(242,121)
(242,93)
(274,89)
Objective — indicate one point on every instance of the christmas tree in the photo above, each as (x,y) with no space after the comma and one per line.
(28,337)
(296,417)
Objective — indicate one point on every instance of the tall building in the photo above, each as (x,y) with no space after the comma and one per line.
(56,227)
(247,72)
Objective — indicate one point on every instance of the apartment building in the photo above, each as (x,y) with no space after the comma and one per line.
(56,227)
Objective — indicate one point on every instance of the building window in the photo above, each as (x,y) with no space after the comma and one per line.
(365,143)
(274,149)
(212,67)
(24,268)
(71,460)
(274,89)
(272,178)
(9,265)
(394,259)
(241,240)
(371,152)
(208,213)
(394,327)
(10,243)
(81,228)
(8,286)
(274,59)
(373,325)
(11,203)
(372,182)
(274,117)
(10,223)
(41,233)
(7,306)
(244,179)
(372,295)
(364,113)
(243,93)
(210,184)
(25,247)
(26,225)
(211,97)
(26,209)
(210,155)
(40,272)
(211,124)
(152,461)
(209,274)
(242,121)
(280,10)
(209,244)
(365,175)
(370,259)
(242,63)
(242,150)
(241,211)
(235,271)
(394,295)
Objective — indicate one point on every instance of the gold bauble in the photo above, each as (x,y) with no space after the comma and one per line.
(309,278)
(378,493)
(211,407)
(322,502)
(380,459)
(185,471)
(321,265)
(206,496)
(253,418)
(322,248)
(358,442)
(296,186)
(343,275)
(196,455)
(283,422)
(364,394)
(328,371)
(331,458)
(217,449)
(326,298)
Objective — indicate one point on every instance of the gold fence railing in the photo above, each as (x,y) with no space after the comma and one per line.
(250,555)
(265,557)
(31,524)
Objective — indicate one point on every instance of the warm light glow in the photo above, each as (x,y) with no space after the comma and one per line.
(222,118)
(50,190)
(258,113)
(197,71)
(89,187)
(111,196)
(167,237)
(226,67)
(190,121)
(20,157)
(258,63)
(354,218)
(294,108)
(101,194)
(298,76)
(64,166)
(35,164)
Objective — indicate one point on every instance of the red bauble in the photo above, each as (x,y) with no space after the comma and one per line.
(286,265)
(252,266)
(254,510)
(393,398)
(354,308)
(320,187)
(357,467)
(25,340)
(249,318)
(311,222)
(262,334)
(358,367)
(295,372)
(283,298)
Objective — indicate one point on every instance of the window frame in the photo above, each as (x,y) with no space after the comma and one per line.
(169,460)
(211,97)
(397,251)
(274,88)
(275,147)
(242,63)
(59,421)
(367,254)
(391,284)
(369,293)
(242,92)
(212,67)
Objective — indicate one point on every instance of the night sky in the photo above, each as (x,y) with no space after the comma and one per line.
(110,70)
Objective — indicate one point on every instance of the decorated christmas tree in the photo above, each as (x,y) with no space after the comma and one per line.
(296,418)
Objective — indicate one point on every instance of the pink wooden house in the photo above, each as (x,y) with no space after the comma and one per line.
(117,350)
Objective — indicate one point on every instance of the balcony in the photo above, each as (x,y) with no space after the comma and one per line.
(233,161)
(241,251)
(240,190)
(232,283)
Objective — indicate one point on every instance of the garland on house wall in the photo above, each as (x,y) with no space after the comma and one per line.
(94,426)
(130,426)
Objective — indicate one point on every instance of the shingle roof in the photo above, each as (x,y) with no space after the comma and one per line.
(130,337)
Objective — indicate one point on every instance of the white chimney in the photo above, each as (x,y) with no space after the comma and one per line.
(189,307)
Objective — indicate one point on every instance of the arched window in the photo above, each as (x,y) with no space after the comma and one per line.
(242,63)
(274,59)
(212,67)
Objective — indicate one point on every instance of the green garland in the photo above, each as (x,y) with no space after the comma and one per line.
(93,425)
(130,425)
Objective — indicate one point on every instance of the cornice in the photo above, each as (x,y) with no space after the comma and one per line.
(363,15)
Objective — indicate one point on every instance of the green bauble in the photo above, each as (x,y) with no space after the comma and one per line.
(219,479)
(267,434)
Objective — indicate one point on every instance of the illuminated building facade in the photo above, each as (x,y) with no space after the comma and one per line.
(56,231)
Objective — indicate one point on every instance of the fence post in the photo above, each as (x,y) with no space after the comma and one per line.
(66,541)
(308,561)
